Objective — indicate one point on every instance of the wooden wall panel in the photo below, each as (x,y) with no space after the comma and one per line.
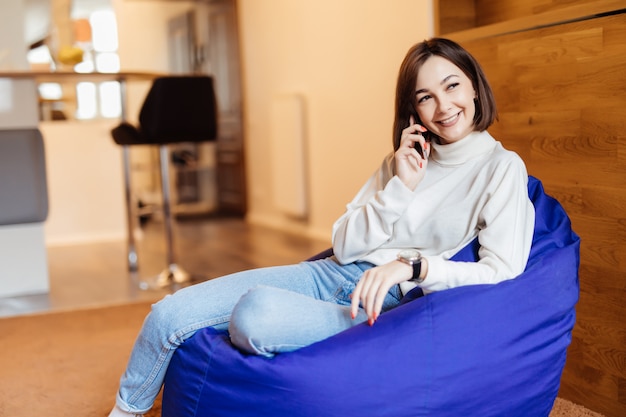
(494,11)
(561,92)
(454,15)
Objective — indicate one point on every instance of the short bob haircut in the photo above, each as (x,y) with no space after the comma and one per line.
(486,112)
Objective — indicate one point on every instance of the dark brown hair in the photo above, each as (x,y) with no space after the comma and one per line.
(486,112)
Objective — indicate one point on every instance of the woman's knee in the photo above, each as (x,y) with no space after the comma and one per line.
(253,318)
(168,317)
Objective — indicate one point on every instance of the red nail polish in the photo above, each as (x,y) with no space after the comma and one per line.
(353,316)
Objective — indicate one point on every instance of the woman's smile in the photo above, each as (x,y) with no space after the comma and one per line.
(450,121)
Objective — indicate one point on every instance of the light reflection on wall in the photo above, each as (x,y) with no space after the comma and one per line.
(95,32)
(104,100)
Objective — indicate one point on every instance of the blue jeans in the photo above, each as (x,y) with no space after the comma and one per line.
(280,308)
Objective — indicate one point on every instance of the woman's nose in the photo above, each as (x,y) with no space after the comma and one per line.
(443,105)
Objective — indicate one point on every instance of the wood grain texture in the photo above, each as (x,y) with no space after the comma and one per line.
(495,11)
(514,16)
(454,15)
(561,93)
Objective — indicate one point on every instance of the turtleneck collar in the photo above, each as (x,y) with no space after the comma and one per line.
(456,153)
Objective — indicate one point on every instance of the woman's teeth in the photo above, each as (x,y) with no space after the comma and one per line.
(450,120)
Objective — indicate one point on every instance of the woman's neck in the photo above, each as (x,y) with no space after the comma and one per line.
(472,145)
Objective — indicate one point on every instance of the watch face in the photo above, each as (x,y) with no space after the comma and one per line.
(410,255)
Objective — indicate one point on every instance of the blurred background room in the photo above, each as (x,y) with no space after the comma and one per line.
(305,104)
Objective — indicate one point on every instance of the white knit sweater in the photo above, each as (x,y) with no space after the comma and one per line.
(473,187)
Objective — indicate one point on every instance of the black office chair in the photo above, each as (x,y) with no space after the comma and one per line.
(176,109)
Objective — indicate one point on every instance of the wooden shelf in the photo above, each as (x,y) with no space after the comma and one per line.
(69,76)
(567,14)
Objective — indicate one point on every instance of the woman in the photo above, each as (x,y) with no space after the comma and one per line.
(447,182)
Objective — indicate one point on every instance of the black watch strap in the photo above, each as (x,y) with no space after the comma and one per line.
(417,270)
(414,259)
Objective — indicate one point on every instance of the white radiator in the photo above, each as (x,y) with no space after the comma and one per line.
(289,159)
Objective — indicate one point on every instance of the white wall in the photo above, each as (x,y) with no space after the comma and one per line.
(343,57)
(12,41)
(85,183)
(18,103)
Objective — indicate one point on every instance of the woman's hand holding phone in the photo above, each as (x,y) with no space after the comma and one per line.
(412,156)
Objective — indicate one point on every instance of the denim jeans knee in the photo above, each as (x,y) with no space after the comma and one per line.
(269,320)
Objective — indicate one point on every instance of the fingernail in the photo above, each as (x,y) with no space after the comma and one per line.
(420,164)
(370,321)
(353,316)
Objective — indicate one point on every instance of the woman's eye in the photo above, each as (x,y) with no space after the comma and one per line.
(422,99)
(453,86)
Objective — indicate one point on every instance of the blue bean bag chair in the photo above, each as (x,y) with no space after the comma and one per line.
(482,350)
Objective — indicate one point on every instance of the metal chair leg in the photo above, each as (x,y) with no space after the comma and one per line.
(172,273)
(130,215)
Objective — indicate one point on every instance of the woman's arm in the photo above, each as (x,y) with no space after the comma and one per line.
(506,226)
(370,217)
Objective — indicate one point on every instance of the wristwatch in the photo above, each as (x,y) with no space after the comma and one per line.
(413,258)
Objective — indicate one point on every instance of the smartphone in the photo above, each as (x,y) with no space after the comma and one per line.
(418,146)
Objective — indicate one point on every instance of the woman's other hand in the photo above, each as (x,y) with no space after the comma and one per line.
(372,288)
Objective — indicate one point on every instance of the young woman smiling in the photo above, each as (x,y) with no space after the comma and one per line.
(446,182)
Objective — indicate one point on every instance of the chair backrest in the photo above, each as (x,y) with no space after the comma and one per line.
(180,109)
(23,188)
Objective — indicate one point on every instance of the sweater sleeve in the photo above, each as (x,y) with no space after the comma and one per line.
(370,217)
(506,226)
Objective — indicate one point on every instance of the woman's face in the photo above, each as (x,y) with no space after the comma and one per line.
(445,99)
